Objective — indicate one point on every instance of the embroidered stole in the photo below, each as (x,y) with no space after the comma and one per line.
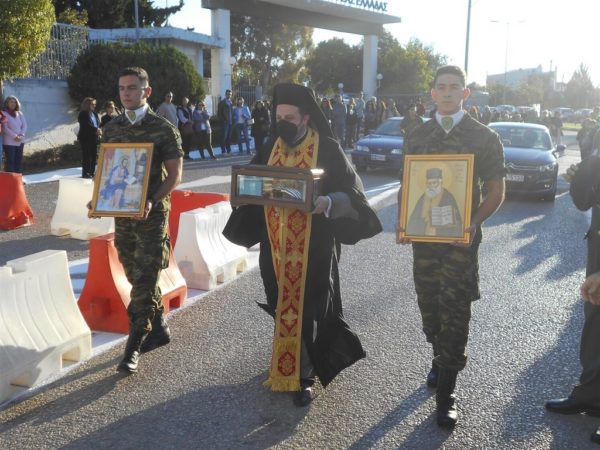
(289,234)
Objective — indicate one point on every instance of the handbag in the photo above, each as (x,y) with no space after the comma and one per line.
(249,121)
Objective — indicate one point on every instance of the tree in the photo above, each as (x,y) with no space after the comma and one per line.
(25,27)
(334,62)
(262,46)
(579,92)
(116,13)
(95,74)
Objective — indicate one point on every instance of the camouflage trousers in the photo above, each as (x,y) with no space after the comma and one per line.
(447,282)
(143,247)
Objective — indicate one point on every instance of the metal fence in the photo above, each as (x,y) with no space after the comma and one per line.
(65,44)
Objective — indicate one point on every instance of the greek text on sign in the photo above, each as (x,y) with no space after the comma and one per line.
(375,5)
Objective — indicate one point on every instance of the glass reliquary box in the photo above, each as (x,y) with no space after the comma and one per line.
(284,187)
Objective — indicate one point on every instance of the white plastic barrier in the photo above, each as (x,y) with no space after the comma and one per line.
(203,255)
(70,215)
(40,323)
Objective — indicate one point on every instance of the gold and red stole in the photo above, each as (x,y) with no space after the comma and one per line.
(289,234)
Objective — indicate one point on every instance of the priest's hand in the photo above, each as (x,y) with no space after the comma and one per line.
(322,204)
(570,173)
(590,289)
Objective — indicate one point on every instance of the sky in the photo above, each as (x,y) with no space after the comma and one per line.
(516,34)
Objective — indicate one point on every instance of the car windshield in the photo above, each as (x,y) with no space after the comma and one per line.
(523,137)
(389,128)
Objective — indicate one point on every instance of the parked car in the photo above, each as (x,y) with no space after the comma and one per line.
(581,114)
(566,114)
(530,158)
(381,148)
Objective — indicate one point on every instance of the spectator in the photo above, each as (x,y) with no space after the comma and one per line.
(88,136)
(360,114)
(110,112)
(261,125)
(225,116)
(486,115)
(202,130)
(338,119)
(420,109)
(3,120)
(390,109)
(184,117)
(351,123)
(557,124)
(371,115)
(474,113)
(327,110)
(585,137)
(168,110)
(241,120)
(411,120)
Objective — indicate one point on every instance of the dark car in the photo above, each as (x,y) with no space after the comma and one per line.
(530,158)
(381,148)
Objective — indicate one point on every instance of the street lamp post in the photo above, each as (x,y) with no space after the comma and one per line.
(341,88)
(507,23)
(379,78)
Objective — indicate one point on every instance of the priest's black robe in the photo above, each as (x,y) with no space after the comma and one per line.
(331,344)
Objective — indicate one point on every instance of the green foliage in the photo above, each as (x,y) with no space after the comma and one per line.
(66,155)
(268,51)
(25,27)
(406,69)
(96,72)
(580,92)
(73,17)
(117,13)
(335,62)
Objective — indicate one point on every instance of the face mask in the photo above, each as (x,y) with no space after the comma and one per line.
(287,131)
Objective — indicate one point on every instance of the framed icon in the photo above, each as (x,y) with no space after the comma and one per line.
(121,180)
(285,187)
(436,198)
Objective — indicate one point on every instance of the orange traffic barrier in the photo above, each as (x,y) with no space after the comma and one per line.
(182,201)
(106,293)
(14,207)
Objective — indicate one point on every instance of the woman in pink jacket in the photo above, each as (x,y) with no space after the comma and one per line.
(14,134)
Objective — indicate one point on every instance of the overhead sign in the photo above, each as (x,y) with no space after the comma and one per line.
(372,5)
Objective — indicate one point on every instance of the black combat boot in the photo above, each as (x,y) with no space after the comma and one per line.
(159,336)
(132,352)
(432,376)
(447,415)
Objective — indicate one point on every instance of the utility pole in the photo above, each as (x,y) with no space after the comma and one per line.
(468,34)
(137,19)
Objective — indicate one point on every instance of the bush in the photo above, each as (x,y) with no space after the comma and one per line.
(68,155)
(96,71)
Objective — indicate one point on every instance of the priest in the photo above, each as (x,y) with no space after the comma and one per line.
(300,252)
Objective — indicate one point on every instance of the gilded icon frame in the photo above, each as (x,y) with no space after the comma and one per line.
(436,198)
(121,180)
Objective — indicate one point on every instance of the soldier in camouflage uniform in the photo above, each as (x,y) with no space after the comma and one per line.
(143,245)
(446,276)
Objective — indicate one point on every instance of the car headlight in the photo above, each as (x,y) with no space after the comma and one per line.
(548,167)
(362,148)
(396,151)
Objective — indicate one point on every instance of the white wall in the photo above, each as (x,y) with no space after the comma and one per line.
(50,113)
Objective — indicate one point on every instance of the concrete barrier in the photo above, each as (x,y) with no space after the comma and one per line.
(204,256)
(40,324)
(106,293)
(70,215)
(182,200)
(15,211)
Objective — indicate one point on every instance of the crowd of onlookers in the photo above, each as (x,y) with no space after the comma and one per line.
(349,117)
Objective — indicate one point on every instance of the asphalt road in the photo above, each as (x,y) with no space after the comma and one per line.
(205,389)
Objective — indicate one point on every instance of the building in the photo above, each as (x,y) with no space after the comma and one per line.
(514,78)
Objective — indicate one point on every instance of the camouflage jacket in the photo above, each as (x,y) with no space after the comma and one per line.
(156,130)
(467,137)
